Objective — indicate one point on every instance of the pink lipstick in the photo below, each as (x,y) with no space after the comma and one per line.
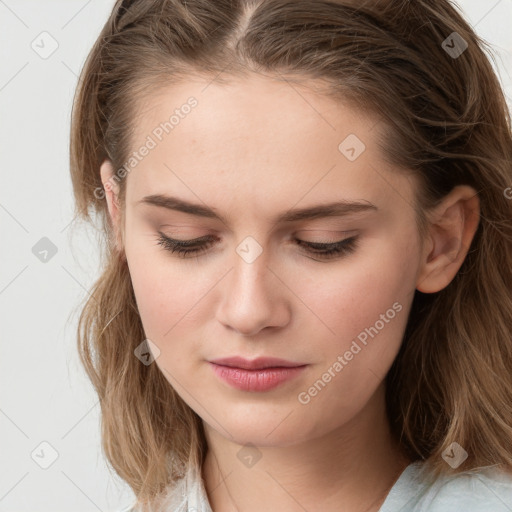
(261,374)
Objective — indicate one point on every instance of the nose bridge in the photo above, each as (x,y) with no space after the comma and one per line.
(251,293)
(250,273)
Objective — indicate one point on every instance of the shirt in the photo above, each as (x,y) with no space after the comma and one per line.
(482,490)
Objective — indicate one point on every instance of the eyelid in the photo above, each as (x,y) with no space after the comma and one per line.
(323,241)
(339,231)
(190,241)
(324,250)
(326,235)
(183,231)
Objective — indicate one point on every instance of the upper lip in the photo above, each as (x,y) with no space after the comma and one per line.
(255,364)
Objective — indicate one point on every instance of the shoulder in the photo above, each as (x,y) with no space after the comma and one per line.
(185,494)
(474,491)
(479,490)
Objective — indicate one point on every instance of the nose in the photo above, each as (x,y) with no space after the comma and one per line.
(254,297)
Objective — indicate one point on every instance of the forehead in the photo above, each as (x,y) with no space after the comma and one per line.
(259,139)
(256,109)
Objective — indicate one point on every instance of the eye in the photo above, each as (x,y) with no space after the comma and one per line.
(330,250)
(185,247)
(197,246)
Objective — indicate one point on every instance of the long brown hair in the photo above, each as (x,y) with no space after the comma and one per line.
(447,122)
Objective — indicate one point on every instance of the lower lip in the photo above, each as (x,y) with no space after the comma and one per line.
(256,380)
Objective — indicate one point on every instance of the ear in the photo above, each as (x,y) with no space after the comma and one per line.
(452,227)
(112,196)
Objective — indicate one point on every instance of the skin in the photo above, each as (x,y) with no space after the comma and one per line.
(251,150)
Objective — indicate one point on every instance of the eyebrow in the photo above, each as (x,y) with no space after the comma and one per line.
(334,209)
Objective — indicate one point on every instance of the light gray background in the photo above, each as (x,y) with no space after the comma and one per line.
(45,396)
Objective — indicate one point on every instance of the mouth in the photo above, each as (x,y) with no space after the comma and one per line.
(258,375)
(260,363)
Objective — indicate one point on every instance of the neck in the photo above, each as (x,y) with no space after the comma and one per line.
(355,464)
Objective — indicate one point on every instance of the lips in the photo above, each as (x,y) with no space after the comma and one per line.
(259,363)
(256,375)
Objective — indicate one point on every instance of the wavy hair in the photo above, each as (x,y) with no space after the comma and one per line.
(447,122)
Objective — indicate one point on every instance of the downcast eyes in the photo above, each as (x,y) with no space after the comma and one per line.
(198,246)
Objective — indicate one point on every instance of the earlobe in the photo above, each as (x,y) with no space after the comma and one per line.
(111,195)
(450,237)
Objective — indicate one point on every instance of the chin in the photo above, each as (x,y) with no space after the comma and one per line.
(263,429)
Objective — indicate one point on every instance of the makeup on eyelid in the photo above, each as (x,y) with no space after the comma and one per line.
(326,230)
(198,246)
(329,241)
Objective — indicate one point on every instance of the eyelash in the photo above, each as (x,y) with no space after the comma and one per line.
(197,246)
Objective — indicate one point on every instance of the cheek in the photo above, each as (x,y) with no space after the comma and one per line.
(363,310)
(163,293)
(351,295)
(174,300)
(367,308)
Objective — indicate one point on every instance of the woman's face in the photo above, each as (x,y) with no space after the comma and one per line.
(256,158)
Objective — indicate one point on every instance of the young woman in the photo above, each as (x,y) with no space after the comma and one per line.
(306,299)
